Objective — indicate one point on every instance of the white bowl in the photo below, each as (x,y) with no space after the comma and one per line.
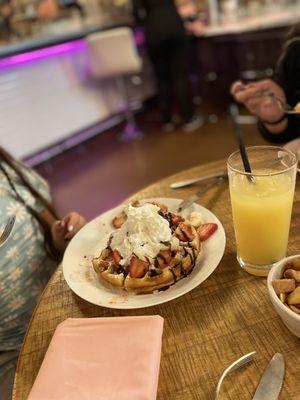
(289,317)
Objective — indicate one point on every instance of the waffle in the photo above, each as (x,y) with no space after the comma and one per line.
(174,261)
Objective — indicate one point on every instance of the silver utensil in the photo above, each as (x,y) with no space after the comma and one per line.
(189,182)
(271,382)
(286,108)
(237,364)
(7,230)
(190,200)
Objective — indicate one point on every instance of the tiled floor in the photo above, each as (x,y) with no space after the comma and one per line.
(101,173)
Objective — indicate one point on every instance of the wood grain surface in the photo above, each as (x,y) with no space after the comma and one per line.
(228,315)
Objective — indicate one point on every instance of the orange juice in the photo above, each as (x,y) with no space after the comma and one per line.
(261,215)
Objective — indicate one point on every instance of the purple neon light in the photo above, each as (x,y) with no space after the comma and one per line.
(42,53)
(55,50)
(139,36)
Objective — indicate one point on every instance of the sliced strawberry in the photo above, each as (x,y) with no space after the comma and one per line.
(167,256)
(138,268)
(117,257)
(176,219)
(119,220)
(206,230)
(186,232)
(180,234)
(164,266)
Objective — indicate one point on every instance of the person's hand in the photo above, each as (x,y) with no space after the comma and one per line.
(47,10)
(6,10)
(255,97)
(65,229)
(196,27)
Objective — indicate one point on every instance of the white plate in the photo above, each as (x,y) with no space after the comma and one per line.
(294,146)
(92,239)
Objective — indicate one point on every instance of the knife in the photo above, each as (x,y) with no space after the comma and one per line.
(271,382)
(190,200)
(189,182)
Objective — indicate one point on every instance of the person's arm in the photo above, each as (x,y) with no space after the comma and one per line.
(286,131)
(139,11)
(273,124)
(287,76)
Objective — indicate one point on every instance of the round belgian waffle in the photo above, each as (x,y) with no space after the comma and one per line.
(144,276)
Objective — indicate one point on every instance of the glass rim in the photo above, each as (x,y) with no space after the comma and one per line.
(279,148)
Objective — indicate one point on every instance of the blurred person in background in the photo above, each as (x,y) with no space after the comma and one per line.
(28,257)
(47,10)
(192,17)
(167,45)
(274,125)
(6,12)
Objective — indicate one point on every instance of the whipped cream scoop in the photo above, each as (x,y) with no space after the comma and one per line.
(143,234)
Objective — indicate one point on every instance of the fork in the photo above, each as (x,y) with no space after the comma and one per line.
(237,364)
(7,229)
(286,108)
(192,199)
(194,181)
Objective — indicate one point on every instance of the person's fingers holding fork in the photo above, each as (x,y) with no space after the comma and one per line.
(257,98)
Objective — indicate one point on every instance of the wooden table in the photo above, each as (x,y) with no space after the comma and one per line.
(229,315)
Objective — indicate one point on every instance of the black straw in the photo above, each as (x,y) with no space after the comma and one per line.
(234,114)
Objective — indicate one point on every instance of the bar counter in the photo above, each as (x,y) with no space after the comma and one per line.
(276,19)
(261,22)
(48,41)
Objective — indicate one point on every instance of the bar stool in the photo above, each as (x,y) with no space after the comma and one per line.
(113,54)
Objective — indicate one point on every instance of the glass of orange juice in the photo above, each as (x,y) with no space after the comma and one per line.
(262,205)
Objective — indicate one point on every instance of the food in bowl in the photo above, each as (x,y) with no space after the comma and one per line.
(287,287)
(151,248)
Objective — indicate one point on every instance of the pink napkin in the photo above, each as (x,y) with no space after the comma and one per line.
(102,359)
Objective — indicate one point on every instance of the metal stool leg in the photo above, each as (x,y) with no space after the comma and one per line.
(130,132)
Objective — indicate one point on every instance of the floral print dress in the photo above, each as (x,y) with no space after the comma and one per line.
(24,265)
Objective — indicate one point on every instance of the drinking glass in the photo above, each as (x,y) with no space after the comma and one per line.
(262,205)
